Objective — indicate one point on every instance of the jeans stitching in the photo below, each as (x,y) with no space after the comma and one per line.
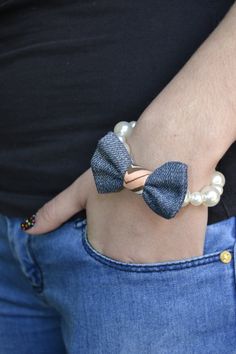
(144,268)
(39,288)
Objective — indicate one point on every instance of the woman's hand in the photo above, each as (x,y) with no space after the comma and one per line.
(121,225)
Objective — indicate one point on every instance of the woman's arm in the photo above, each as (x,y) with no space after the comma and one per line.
(191,120)
(194,118)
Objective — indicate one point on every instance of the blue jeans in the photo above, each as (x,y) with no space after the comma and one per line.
(59,295)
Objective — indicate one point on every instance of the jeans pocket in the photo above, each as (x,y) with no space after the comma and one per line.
(185,305)
(219,247)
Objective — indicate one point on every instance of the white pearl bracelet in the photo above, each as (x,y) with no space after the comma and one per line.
(208,195)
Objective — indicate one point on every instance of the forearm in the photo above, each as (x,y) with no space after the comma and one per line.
(194,118)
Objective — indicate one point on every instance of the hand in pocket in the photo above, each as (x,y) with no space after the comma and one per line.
(121,225)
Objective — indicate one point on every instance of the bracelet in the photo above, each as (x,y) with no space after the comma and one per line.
(136,176)
(164,190)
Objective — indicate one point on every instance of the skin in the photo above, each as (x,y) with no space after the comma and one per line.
(192,120)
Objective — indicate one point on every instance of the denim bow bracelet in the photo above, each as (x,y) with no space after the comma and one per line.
(164,189)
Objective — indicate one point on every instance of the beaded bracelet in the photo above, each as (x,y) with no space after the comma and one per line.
(136,176)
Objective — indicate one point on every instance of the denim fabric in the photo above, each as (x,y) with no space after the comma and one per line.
(164,190)
(109,163)
(59,295)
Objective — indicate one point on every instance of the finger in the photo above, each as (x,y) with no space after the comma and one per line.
(59,209)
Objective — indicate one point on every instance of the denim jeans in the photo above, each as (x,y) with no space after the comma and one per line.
(59,295)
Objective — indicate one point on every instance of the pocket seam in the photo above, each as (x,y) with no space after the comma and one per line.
(152,267)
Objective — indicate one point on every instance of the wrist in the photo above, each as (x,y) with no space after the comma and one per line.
(151,153)
(172,172)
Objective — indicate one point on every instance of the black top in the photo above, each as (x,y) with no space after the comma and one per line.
(70,70)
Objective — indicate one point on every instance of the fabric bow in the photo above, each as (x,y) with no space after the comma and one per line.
(164,189)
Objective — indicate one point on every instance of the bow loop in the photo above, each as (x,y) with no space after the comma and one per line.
(165,188)
(109,163)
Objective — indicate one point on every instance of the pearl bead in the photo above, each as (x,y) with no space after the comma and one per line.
(211,196)
(219,188)
(186,199)
(196,198)
(127,147)
(121,138)
(132,124)
(123,129)
(218,179)
(139,192)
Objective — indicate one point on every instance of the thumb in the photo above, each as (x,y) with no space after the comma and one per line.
(59,209)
